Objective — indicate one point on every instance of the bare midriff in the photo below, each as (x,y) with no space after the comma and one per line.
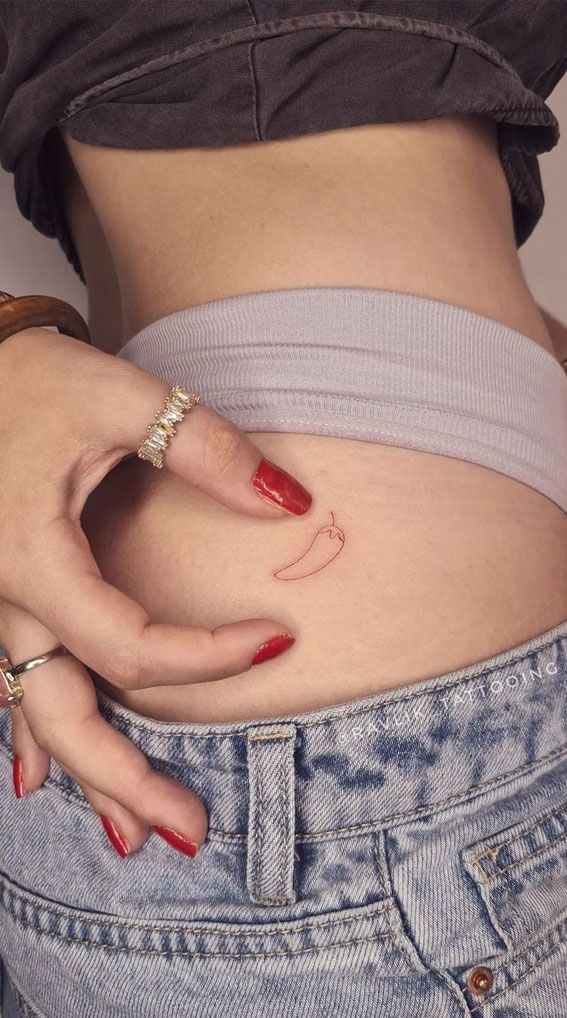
(444,562)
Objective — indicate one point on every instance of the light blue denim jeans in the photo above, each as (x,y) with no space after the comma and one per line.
(399,856)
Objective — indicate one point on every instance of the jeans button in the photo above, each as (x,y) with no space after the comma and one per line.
(480,980)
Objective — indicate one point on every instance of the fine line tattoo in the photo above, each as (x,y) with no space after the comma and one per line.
(324,547)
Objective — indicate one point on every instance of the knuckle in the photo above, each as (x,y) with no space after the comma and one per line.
(146,791)
(43,735)
(123,670)
(135,789)
(223,446)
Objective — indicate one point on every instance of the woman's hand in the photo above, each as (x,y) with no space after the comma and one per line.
(71,413)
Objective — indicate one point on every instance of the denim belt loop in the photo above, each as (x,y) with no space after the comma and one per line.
(271,816)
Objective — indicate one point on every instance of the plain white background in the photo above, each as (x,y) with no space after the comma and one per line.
(31,263)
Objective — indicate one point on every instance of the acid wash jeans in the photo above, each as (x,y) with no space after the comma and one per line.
(399,856)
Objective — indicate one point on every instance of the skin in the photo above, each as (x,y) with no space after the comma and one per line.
(444,562)
(319,554)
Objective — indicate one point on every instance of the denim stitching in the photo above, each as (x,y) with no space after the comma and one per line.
(383,906)
(284,803)
(486,853)
(215,954)
(533,855)
(393,917)
(259,834)
(512,907)
(372,825)
(549,931)
(212,954)
(434,806)
(523,975)
(396,934)
(526,830)
(268,736)
(376,852)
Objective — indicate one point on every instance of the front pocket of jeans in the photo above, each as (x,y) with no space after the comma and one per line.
(71,962)
(377,921)
(521,874)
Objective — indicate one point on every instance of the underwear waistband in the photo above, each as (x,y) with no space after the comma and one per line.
(375,365)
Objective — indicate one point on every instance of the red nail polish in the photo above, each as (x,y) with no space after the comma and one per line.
(18,777)
(177,840)
(114,836)
(281,489)
(272,648)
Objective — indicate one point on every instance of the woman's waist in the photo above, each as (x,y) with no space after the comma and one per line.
(422,207)
(381,366)
(408,565)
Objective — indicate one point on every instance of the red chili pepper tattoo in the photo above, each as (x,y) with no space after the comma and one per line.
(324,547)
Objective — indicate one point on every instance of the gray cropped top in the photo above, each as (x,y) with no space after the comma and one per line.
(374,365)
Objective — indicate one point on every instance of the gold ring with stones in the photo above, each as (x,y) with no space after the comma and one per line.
(160,434)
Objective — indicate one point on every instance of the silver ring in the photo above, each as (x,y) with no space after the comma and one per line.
(10,685)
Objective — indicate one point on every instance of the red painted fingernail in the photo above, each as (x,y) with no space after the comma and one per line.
(272,648)
(177,840)
(281,489)
(118,840)
(18,777)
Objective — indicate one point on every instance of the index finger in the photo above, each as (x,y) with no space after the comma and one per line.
(113,635)
(207,449)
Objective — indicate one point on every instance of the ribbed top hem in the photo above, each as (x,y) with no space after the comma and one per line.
(375,365)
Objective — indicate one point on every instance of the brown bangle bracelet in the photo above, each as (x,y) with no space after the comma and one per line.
(30,312)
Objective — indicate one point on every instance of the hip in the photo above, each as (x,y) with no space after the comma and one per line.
(443,563)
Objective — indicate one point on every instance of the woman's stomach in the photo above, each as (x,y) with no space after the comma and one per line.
(439,563)
(444,562)
(421,207)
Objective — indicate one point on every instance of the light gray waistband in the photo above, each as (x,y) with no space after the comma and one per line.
(375,365)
